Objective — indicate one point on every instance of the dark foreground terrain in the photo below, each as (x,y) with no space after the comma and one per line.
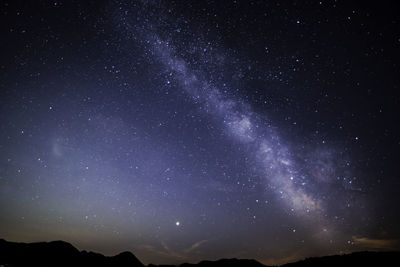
(59,253)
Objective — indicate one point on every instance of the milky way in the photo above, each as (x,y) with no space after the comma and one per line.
(186,132)
(273,157)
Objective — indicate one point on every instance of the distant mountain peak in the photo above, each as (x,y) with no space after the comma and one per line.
(59,253)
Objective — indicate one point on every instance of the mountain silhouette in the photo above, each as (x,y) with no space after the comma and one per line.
(365,258)
(60,253)
(225,263)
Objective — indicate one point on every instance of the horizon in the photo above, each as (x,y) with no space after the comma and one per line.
(197,262)
(195,130)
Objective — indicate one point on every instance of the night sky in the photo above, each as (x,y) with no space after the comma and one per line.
(192,130)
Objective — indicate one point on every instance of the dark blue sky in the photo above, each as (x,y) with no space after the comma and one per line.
(194,130)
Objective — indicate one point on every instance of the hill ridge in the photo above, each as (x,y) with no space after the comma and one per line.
(61,253)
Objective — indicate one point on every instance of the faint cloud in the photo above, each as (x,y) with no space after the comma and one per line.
(167,251)
(376,243)
(195,246)
(292,257)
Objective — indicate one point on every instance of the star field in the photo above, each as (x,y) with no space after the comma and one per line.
(200,130)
